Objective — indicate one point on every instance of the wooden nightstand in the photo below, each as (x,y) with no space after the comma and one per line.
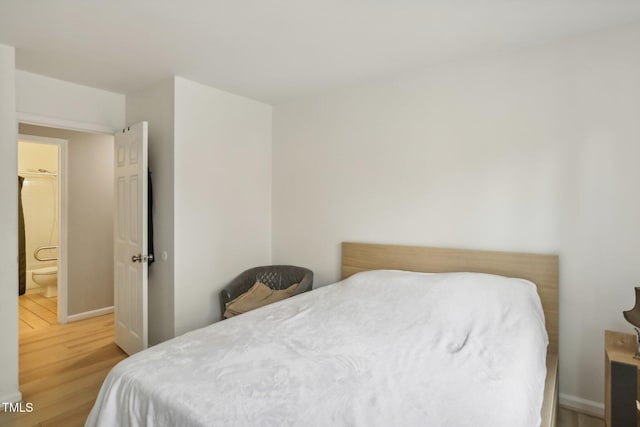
(622,380)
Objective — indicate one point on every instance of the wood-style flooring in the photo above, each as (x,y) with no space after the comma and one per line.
(61,366)
(37,311)
(569,418)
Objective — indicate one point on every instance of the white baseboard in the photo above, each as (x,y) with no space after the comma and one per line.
(579,404)
(11,398)
(89,314)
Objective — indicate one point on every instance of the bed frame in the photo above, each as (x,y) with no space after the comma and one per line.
(540,269)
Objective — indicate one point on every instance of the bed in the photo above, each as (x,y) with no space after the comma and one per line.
(359,352)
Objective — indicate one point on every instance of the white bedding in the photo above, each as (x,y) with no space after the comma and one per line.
(382,348)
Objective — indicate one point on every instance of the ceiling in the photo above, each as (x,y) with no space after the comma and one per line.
(272,50)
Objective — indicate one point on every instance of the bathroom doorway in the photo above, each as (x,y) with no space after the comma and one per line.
(85,247)
(42,230)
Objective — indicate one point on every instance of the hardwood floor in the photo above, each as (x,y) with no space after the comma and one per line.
(61,366)
(37,311)
(568,418)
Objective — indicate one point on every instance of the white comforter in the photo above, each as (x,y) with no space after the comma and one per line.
(382,348)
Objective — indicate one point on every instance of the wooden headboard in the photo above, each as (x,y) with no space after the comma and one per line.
(540,269)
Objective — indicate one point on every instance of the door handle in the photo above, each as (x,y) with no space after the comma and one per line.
(141,258)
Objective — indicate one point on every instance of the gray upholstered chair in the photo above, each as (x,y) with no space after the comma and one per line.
(274,276)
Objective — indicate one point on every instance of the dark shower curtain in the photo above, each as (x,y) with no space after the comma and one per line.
(22,257)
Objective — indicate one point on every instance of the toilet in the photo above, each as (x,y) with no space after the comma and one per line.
(47,278)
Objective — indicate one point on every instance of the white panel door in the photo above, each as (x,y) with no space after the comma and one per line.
(130,238)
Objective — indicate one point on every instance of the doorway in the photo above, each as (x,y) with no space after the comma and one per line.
(85,265)
(42,231)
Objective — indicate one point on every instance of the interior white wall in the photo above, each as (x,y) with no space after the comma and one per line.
(73,103)
(90,202)
(8,228)
(222,196)
(155,105)
(530,151)
(32,156)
